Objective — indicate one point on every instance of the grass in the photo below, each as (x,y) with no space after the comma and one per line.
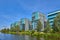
(41,34)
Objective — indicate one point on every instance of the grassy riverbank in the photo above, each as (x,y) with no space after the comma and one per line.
(40,34)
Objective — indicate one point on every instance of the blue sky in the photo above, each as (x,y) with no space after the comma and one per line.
(13,10)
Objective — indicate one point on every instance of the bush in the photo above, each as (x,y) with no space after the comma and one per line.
(35,34)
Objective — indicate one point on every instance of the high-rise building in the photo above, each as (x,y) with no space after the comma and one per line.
(25,24)
(51,17)
(38,16)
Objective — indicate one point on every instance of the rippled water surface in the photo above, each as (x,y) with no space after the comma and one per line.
(21,37)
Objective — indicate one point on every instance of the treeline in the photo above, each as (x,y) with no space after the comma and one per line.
(55,26)
(48,29)
(13,28)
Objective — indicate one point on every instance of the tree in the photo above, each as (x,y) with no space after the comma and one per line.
(39,26)
(56,24)
(12,27)
(5,30)
(48,27)
(15,27)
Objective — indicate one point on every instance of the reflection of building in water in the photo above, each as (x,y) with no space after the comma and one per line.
(42,39)
(26,37)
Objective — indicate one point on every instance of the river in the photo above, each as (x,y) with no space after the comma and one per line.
(19,37)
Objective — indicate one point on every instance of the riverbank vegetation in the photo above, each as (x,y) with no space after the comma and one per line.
(49,31)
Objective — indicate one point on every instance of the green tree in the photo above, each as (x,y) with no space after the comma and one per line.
(12,27)
(56,24)
(39,26)
(5,30)
(48,27)
(32,32)
(15,27)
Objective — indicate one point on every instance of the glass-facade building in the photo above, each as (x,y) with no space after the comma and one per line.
(15,23)
(25,24)
(35,17)
(51,17)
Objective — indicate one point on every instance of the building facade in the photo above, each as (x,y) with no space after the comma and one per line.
(25,24)
(51,17)
(35,17)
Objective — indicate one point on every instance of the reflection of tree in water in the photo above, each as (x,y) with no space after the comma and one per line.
(39,38)
(26,37)
(36,38)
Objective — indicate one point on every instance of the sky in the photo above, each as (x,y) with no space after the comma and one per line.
(14,10)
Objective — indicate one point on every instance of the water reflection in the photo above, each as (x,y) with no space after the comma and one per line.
(39,38)
(23,37)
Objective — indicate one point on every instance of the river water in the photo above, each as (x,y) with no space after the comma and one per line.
(19,37)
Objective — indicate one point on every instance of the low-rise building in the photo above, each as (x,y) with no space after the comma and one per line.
(38,16)
(51,16)
(25,24)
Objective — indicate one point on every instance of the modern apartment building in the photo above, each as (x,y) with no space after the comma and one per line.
(25,24)
(38,16)
(15,23)
(51,16)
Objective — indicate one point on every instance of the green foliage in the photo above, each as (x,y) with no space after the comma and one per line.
(48,27)
(56,24)
(12,29)
(15,27)
(5,30)
(35,34)
(39,26)
(32,32)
